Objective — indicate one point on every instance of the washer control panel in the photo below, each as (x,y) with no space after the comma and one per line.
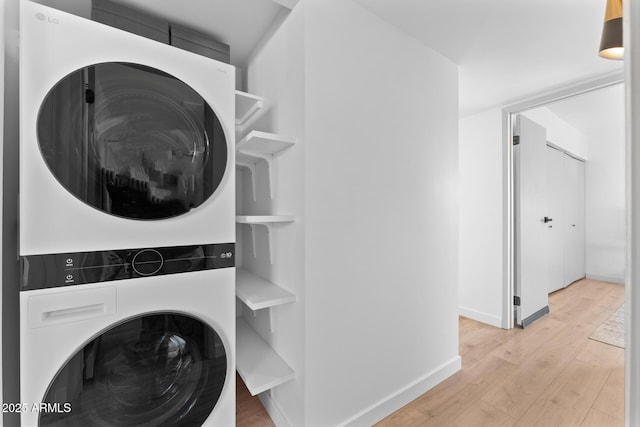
(147,262)
(54,270)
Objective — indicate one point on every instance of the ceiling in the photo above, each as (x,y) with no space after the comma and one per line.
(506,49)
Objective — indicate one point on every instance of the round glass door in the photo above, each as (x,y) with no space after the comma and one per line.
(132,141)
(154,370)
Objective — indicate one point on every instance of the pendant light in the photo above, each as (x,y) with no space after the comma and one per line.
(611,42)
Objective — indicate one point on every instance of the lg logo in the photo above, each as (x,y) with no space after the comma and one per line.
(43,17)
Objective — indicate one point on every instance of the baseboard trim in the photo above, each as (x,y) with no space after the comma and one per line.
(400,398)
(273,409)
(606,278)
(489,319)
(535,316)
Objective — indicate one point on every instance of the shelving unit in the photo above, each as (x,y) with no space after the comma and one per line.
(248,107)
(257,146)
(259,366)
(267,221)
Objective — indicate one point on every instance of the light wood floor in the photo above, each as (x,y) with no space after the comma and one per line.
(549,374)
(249,410)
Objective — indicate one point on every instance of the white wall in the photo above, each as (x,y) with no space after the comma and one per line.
(381,216)
(481,231)
(560,133)
(605,200)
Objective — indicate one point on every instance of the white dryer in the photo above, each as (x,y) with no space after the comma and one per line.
(134,353)
(127,228)
(125,142)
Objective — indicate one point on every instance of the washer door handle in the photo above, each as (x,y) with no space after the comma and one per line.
(71,305)
(73,312)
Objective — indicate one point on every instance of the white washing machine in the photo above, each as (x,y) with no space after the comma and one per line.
(127,228)
(133,353)
(125,142)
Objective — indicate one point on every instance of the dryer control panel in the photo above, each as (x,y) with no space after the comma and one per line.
(54,270)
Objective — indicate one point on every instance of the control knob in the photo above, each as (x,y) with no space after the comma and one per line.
(147,262)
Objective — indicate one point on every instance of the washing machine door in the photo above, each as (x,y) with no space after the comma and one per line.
(154,370)
(132,141)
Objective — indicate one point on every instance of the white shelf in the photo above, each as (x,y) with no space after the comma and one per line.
(258,293)
(247,107)
(265,146)
(267,221)
(263,219)
(259,366)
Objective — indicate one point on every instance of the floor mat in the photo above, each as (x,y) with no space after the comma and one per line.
(612,330)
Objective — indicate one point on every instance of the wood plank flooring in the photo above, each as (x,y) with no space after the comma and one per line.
(249,409)
(549,374)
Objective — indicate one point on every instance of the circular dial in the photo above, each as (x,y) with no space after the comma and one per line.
(147,262)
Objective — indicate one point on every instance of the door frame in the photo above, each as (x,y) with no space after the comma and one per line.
(631,21)
(508,119)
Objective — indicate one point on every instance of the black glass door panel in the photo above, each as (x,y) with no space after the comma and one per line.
(155,370)
(132,141)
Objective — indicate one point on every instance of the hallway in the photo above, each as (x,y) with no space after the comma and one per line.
(549,374)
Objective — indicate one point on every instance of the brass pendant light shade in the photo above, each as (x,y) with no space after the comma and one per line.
(611,42)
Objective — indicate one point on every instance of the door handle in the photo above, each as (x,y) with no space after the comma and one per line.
(547,219)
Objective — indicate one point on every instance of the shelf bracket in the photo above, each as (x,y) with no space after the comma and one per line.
(253,239)
(254,314)
(272,318)
(244,121)
(269,239)
(252,171)
(248,108)
(267,159)
(268,221)
(264,146)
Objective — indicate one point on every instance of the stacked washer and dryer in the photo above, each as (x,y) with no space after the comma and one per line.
(127,231)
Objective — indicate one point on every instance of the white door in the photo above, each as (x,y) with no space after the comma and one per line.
(555,232)
(574,260)
(530,196)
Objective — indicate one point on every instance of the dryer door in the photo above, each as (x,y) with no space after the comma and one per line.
(132,141)
(154,370)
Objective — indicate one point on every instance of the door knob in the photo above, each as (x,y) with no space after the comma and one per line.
(547,219)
